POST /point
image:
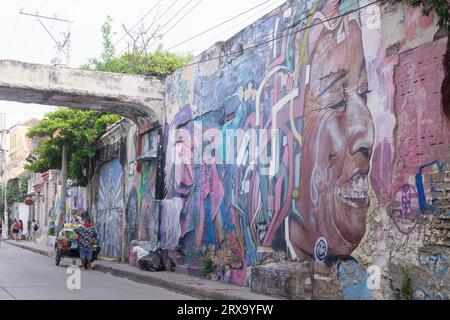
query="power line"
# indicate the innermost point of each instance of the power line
(179, 20)
(184, 16)
(241, 23)
(167, 10)
(217, 26)
(50, 34)
(142, 19)
(282, 36)
(176, 14)
(157, 19)
(59, 47)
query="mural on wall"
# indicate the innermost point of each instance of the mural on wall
(148, 219)
(110, 208)
(277, 145)
(76, 205)
(142, 215)
(131, 213)
(314, 199)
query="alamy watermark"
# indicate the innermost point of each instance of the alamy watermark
(73, 282)
(252, 147)
(374, 280)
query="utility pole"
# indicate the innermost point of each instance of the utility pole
(61, 47)
(4, 174)
(62, 214)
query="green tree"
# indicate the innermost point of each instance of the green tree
(441, 7)
(78, 131)
(108, 48)
(157, 63)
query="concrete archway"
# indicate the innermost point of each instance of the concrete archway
(138, 98)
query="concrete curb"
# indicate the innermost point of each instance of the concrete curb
(42, 252)
(191, 290)
(179, 283)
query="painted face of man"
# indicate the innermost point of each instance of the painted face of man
(338, 139)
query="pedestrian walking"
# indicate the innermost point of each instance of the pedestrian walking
(20, 230)
(15, 229)
(34, 229)
(87, 235)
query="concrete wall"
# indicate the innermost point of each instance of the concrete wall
(20, 211)
(359, 161)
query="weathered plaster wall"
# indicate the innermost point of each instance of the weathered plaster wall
(361, 173)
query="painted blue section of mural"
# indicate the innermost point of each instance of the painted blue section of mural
(354, 281)
(424, 206)
(428, 206)
(131, 212)
(110, 206)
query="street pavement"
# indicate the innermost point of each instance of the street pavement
(25, 275)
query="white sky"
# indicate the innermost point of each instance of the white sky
(23, 37)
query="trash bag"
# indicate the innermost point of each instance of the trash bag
(152, 262)
(139, 252)
(169, 263)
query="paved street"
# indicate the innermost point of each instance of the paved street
(28, 276)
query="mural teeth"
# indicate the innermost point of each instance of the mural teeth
(366, 184)
(360, 184)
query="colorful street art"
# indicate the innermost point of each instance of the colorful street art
(76, 205)
(131, 214)
(110, 208)
(316, 196)
(319, 116)
(142, 210)
(148, 218)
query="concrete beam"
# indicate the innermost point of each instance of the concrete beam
(138, 98)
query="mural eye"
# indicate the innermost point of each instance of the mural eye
(338, 104)
(364, 91)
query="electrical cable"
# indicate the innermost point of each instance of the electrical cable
(217, 26)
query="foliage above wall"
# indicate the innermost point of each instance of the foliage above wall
(78, 131)
(157, 64)
(138, 61)
(441, 7)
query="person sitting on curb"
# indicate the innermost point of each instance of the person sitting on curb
(87, 235)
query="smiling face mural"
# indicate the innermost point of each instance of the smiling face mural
(301, 106)
(338, 137)
(297, 110)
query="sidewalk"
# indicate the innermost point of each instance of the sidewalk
(180, 283)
